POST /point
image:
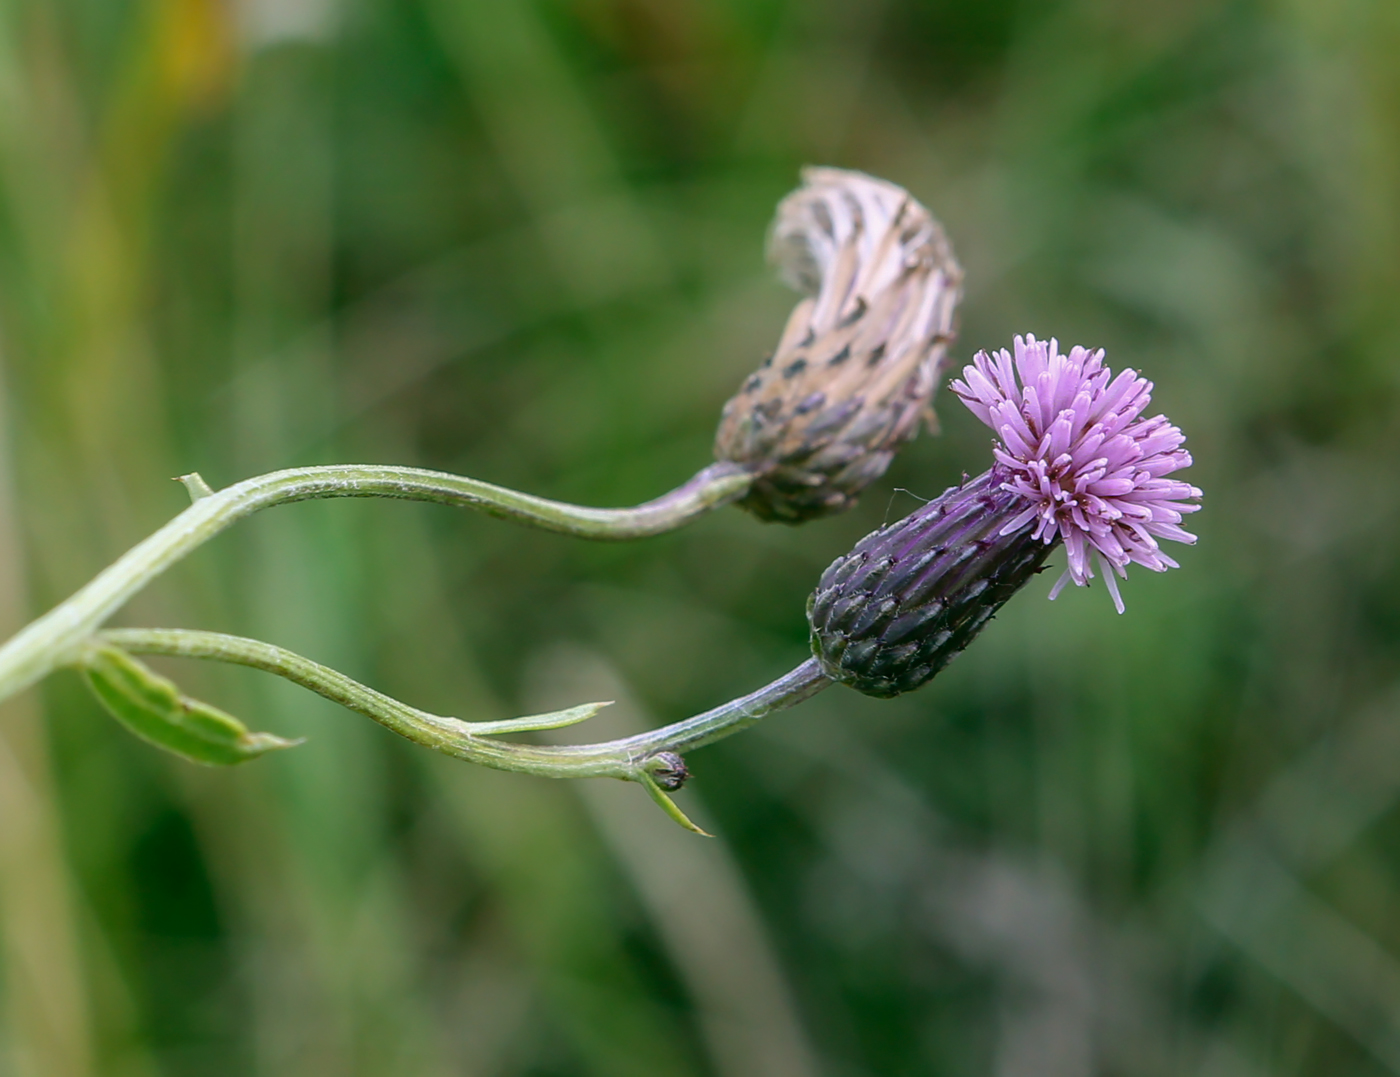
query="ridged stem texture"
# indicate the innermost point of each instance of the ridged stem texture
(57, 638)
(650, 754)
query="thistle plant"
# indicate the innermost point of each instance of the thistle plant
(1074, 465)
(855, 373)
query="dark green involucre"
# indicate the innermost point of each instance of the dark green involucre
(890, 614)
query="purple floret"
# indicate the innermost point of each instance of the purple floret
(1091, 471)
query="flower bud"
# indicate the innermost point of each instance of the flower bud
(668, 770)
(900, 606)
(857, 365)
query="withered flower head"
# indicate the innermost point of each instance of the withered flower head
(857, 365)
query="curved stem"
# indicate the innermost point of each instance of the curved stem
(628, 758)
(54, 639)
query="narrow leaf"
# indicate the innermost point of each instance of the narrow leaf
(553, 720)
(669, 806)
(153, 708)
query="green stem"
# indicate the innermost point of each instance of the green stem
(632, 758)
(56, 638)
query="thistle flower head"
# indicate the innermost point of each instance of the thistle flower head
(857, 365)
(1074, 448)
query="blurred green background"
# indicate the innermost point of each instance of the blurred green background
(523, 241)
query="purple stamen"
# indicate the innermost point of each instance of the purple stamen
(1075, 445)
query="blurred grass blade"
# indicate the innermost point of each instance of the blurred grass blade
(153, 708)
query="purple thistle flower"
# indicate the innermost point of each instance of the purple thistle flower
(1091, 472)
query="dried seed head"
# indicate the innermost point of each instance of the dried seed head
(900, 606)
(857, 365)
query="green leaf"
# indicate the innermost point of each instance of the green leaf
(666, 804)
(195, 486)
(153, 708)
(553, 720)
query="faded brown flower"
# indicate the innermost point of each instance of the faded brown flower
(860, 359)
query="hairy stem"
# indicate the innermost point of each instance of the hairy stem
(55, 639)
(628, 758)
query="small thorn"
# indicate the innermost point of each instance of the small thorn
(195, 485)
(268, 741)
